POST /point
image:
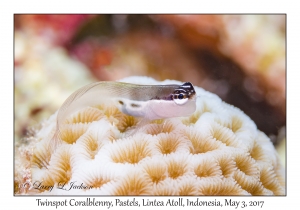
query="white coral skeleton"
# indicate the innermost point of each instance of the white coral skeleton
(217, 150)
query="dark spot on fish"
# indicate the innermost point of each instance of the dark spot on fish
(135, 105)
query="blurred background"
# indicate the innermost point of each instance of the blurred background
(241, 58)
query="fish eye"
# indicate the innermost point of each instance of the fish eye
(180, 100)
(180, 96)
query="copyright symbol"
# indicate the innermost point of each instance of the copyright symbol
(26, 185)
